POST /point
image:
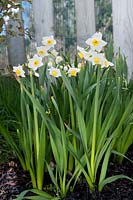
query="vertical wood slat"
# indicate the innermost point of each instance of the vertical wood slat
(16, 44)
(43, 19)
(123, 30)
(85, 19)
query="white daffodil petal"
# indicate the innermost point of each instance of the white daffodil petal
(42, 51)
(95, 42)
(35, 62)
(58, 59)
(73, 71)
(19, 71)
(49, 41)
(36, 74)
(88, 41)
(97, 58)
(106, 63)
(50, 64)
(54, 52)
(97, 35)
(54, 72)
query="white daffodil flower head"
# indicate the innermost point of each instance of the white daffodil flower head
(73, 71)
(19, 71)
(95, 42)
(66, 68)
(81, 52)
(35, 62)
(50, 64)
(97, 58)
(54, 52)
(61, 66)
(42, 51)
(48, 41)
(58, 59)
(55, 72)
(88, 55)
(105, 63)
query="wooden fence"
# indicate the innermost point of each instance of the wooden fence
(122, 14)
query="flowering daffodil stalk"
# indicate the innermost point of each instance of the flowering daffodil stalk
(55, 72)
(49, 41)
(42, 51)
(35, 62)
(95, 42)
(19, 71)
(73, 71)
(105, 63)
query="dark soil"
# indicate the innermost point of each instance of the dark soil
(13, 181)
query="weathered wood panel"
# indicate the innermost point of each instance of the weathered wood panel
(85, 19)
(43, 18)
(16, 44)
(123, 30)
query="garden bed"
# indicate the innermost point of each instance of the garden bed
(14, 180)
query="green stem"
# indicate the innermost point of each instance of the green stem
(71, 160)
(35, 120)
(93, 148)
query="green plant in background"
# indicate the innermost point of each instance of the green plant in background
(9, 112)
(73, 117)
(125, 94)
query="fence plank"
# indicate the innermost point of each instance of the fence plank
(85, 18)
(16, 44)
(43, 18)
(123, 30)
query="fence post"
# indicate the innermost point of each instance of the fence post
(123, 30)
(85, 19)
(43, 19)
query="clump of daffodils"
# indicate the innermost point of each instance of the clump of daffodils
(94, 52)
(55, 63)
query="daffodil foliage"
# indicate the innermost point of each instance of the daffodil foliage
(74, 115)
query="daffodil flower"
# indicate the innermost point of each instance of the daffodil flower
(61, 66)
(105, 63)
(50, 64)
(95, 42)
(58, 59)
(19, 71)
(81, 52)
(66, 68)
(97, 58)
(42, 51)
(35, 62)
(88, 55)
(49, 41)
(54, 72)
(73, 71)
(54, 52)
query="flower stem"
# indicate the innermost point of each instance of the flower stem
(93, 148)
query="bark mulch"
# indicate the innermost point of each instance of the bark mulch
(13, 181)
